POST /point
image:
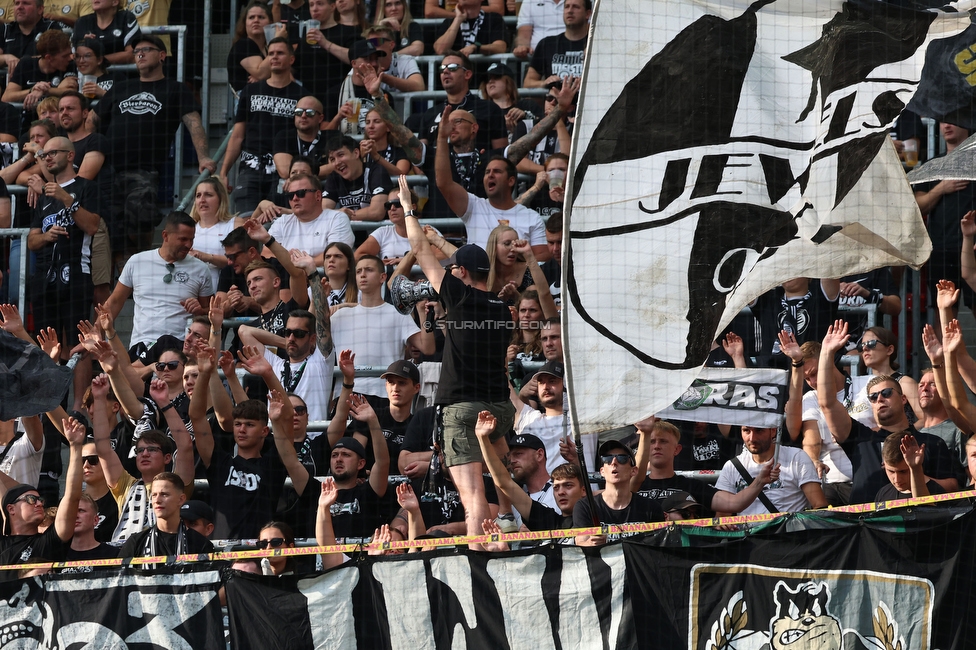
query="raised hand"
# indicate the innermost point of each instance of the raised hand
(360, 409)
(405, 201)
(523, 248)
(371, 80)
(952, 336)
(913, 452)
(932, 345)
(407, 498)
(159, 392)
(256, 231)
(48, 340)
(485, 425)
(380, 536)
(253, 361)
(733, 345)
(567, 93)
(104, 354)
(968, 224)
(100, 386)
(836, 337)
(947, 295)
(347, 365)
(88, 335)
(216, 313)
(225, 362)
(329, 493)
(303, 260)
(104, 321)
(12, 322)
(206, 357)
(74, 432)
(276, 403)
(789, 346)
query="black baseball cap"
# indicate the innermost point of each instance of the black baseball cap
(527, 440)
(472, 257)
(499, 69)
(403, 368)
(611, 446)
(195, 509)
(679, 501)
(350, 443)
(552, 367)
(362, 49)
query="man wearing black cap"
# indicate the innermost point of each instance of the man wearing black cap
(365, 59)
(616, 504)
(23, 511)
(397, 71)
(681, 505)
(199, 516)
(473, 373)
(265, 108)
(402, 380)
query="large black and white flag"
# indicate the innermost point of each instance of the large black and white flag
(723, 148)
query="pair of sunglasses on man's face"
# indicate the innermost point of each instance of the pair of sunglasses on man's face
(884, 392)
(298, 194)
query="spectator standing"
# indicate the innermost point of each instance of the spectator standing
(537, 20)
(560, 55)
(248, 59)
(169, 535)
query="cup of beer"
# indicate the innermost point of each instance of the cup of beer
(910, 149)
(270, 31)
(307, 26)
(84, 80)
(557, 178)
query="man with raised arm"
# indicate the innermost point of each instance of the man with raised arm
(23, 510)
(862, 444)
(357, 511)
(244, 487)
(473, 374)
(308, 342)
(656, 479)
(153, 452)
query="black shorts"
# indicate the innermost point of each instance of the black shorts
(61, 306)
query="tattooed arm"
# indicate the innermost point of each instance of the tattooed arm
(399, 134)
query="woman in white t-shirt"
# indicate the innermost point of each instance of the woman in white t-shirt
(214, 223)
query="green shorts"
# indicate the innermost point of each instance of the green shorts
(458, 421)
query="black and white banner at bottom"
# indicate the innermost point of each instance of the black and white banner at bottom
(883, 581)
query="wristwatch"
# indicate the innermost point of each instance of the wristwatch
(410, 213)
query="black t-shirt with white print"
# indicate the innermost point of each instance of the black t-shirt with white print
(244, 493)
(359, 192)
(265, 110)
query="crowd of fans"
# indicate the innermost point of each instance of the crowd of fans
(187, 431)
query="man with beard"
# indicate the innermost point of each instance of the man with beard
(165, 284)
(798, 487)
(862, 444)
(549, 425)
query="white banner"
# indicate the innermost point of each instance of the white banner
(721, 149)
(747, 397)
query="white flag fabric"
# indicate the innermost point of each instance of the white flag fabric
(720, 150)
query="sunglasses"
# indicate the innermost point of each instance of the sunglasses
(298, 194)
(885, 393)
(301, 410)
(307, 112)
(298, 334)
(169, 273)
(452, 67)
(867, 345)
(90, 460)
(378, 40)
(32, 499)
(551, 98)
(167, 365)
(390, 204)
(622, 459)
(232, 257)
(274, 542)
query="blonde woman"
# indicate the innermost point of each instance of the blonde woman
(214, 223)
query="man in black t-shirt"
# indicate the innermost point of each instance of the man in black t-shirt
(616, 504)
(356, 188)
(561, 56)
(801, 306)
(264, 109)
(169, 535)
(240, 250)
(473, 372)
(658, 447)
(91, 164)
(140, 117)
(472, 31)
(305, 139)
(66, 217)
(20, 35)
(85, 545)
(23, 510)
(48, 73)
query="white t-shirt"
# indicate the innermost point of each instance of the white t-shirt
(481, 218)
(546, 18)
(312, 236)
(207, 240)
(23, 463)
(786, 495)
(391, 243)
(402, 66)
(157, 303)
(831, 454)
(377, 335)
(315, 384)
(860, 408)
